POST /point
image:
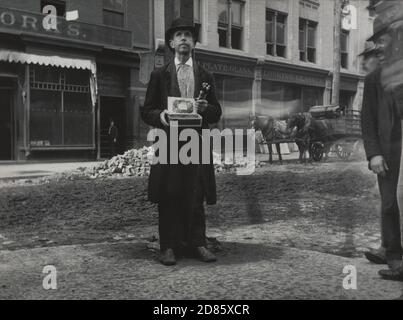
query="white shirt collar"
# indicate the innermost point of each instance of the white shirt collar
(189, 62)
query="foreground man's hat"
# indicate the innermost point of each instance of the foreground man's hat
(180, 24)
(388, 12)
(370, 48)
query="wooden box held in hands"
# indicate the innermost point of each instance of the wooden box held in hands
(182, 113)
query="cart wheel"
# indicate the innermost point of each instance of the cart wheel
(317, 149)
(342, 153)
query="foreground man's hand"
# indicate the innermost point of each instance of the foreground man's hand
(378, 165)
(163, 118)
(201, 106)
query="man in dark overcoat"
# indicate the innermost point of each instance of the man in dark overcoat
(382, 135)
(180, 190)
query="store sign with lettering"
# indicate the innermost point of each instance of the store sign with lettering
(229, 69)
(280, 76)
(15, 20)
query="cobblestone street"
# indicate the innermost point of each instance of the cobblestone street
(283, 232)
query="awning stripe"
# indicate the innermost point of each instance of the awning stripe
(54, 61)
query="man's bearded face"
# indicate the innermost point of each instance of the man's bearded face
(182, 42)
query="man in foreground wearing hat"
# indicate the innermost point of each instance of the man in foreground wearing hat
(369, 58)
(180, 190)
(382, 135)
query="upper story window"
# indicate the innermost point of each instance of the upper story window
(230, 23)
(344, 46)
(276, 30)
(198, 16)
(58, 4)
(307, 40)
(114, 13)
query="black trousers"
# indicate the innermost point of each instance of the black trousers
(182, 223)
(390, 213)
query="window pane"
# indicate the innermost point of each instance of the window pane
(113, 19)
(77, 77)
(117, 5)
(236, 38)
(344, 60)
(44, 74)
(302, 41)
(236, 10)
(270, 16)
(311, 37)
(222, 11)
(312, 55)
(281, 18)
(78, 119)
(281, 51)
(344, 41)
(45, 118)
(280, 33)
(222, 34)
(270, 32)
(269, 49)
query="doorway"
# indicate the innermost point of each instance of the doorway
(112, 108)
(6, 125)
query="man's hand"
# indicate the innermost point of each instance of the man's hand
(163, 118)
(378, 165)
(201, 106)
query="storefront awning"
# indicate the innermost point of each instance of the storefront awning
(54, 61)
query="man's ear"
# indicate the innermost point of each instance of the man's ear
(172, 44)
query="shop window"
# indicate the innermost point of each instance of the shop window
(230, 23)
(276, 33)
(58, 4)
(280, 100)
(307, 40)
(61, 113)
(114, 13)
(235, 96)
(344, 45)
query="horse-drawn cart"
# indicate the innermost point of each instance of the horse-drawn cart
(334, 130)
(322, 130)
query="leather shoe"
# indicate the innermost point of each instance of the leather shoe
(167, 257)
(394, 264)
(376, 256)
(392, 274)
(205, 255)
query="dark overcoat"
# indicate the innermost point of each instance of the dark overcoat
(381, 125)
(171, 180)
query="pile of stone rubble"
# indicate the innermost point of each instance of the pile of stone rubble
(137, 163)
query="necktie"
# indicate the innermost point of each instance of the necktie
(186, 81)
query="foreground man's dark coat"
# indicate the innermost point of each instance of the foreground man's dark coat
(382, 135)
(175, 180)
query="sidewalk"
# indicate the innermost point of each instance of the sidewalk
(9, 171)
(245, 270)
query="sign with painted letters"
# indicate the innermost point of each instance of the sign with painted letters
(49, 24)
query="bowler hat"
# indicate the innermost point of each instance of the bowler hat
(180, 24)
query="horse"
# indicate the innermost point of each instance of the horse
(272, 130)
(308, 132)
